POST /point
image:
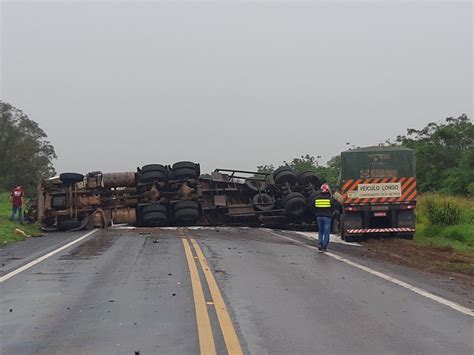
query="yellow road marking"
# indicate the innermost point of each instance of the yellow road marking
(230, 336)
(206, 338)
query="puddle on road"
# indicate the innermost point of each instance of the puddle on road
(92, 248)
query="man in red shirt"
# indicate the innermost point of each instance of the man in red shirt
(17, 197)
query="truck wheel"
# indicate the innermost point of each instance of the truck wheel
(152, 175)
(186, 216)
(351, 238)
(154, 208)
(263, 202)
(408, 236)
(342, 227)
(71, 178)
(255, 185)
(68, 225)
(336, 225)
(282, 168)
(184, 164)
(307, 177)
(295, 205)
(184, 173)
(153, 167)
(186, 204)
(155, 219)
(285, 176)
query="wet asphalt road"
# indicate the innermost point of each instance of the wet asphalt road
(130, 292)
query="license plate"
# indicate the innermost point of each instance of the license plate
(380, 214)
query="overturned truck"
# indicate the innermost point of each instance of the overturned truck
(162, 195)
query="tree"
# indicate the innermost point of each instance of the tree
(25, 153)
(304, 163)
(444, 155)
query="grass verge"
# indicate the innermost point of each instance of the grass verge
(433, 231)
(7, 227)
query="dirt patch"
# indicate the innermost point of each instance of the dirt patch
(437, 260)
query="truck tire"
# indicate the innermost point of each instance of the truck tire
(71, 178)
(352, 238)
(152, 175)
(263, 202)
(68, 225)
(407, 236)
(184, 164)
(186, 204)
(186, 216)
(154, 208)
(255, 185)
(306, 177)
(153, 167)
(295, 205)
(342, 227)
(282, 168)
(285, 176)
(184, 173)
(336, 225)
(155, 219)
(352, 220)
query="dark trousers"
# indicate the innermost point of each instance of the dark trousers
(324, 226)
(16, 209)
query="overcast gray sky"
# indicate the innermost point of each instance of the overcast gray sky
(116, 85)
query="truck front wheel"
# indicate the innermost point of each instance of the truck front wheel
(408, 236)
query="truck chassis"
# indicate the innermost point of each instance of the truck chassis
(158, 195)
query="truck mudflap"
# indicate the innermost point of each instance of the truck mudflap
(380, 230)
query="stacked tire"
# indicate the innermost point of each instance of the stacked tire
(185, 170)
(307, 178)
(151, 173)
(154, 215)
(186, 213)
(284, 174)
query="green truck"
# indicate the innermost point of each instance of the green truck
(377, 193)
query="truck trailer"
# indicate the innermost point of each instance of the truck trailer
(157, 195)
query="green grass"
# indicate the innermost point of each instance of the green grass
(7, 228)
(457, 233)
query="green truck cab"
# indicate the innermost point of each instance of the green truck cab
(377, 193)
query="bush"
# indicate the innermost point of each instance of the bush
(470, 188)
(442, 210)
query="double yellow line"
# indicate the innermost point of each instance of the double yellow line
(206, 337)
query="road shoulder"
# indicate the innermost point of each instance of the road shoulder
(446, 286)
(21, 253)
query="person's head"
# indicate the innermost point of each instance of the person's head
(18, 186)
(325, 188)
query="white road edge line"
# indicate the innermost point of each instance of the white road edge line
(421, 292)
(44, 257)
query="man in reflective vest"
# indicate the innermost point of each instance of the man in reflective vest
(323, 205)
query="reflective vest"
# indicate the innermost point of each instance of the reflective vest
(322, 203)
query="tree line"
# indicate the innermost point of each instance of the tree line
(26, 155)
(444, 155)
